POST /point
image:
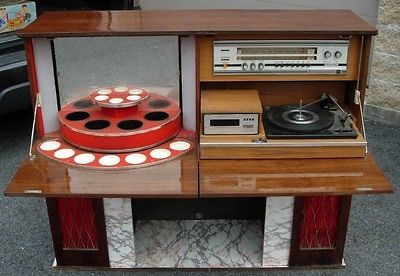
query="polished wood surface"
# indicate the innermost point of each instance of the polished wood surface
(206, 63)
(44, 177)
(341, 176)
(192, 22)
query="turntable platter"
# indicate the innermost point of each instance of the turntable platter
(291, 118)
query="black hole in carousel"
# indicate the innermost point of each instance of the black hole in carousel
(97, 124)
(159, 103)
(156, 116)
(83, 104)
(130, 124)
(77, 116)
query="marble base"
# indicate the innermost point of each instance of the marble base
(120, 236)
(277, 231)
(199, 243)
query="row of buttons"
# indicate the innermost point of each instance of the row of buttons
(261, 66)
(292, 65)
(248, 119)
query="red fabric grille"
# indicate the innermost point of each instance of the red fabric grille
(320, 218)
(78, 229)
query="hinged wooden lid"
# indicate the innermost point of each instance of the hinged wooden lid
(295, 177)
(47, 178)
(196, 22)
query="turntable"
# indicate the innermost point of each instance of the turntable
(323, 118)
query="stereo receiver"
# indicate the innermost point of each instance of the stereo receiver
(280, 56)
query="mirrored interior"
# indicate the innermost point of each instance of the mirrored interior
(86, 64)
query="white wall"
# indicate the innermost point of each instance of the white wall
(367, 9)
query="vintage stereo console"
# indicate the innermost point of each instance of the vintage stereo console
(252, 129)
(280, 56)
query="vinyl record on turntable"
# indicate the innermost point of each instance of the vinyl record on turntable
(292, 119)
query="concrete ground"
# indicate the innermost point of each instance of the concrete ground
(372, 242)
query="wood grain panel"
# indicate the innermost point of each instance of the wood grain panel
(342, 176)
(192, 22)
(206, 65)
(281, 93)
(280, 152)
(44, 177)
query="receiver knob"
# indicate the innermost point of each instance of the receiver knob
(245, 66)
(253, 66)
(327, 54)
(261, 66)
(338, 54)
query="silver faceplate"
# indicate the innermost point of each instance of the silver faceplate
(228, 123)
(280, 57)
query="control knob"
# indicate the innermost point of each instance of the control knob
(260, 66)
(327, 54)
(338, 54)
(245, 66)
(253, 66)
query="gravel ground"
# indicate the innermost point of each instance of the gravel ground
(372, 242)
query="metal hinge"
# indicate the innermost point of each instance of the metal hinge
(37, 104)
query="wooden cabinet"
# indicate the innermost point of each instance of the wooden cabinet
(287, 178)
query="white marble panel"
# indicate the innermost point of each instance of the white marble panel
(120, 235)
(199, 243)
(277, 231)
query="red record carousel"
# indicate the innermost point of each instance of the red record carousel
(118, 127)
